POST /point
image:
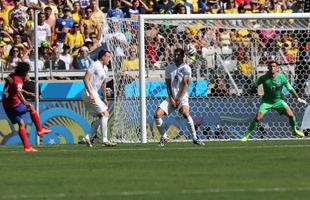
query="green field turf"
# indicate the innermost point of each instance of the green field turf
(220, 170)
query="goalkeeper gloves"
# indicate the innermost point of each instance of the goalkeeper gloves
(301, 101)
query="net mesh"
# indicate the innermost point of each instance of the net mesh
(226, 57)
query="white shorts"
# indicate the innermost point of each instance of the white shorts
(94, 109)
(168, 108)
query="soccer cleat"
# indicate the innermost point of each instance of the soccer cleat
(199, 142)
(87, 142)
(298, 133)
(163, 141)
(30, 149)
(43, 131)
(109, 144)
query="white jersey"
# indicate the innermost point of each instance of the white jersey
(99, 75)
(175, 75)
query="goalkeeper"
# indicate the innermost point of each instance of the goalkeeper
(273, 83)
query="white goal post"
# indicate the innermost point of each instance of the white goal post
(301, 21)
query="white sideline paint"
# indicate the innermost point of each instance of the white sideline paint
(167, 148)
(154, 193)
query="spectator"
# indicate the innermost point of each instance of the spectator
(35, 4)
(116, 10)
(52, 5)
(132, 61)
(5, 8)
(43, 31)
(94, 42)
(89, 24)
(84, 4)
(3, 54)
(13, 58)
(99, 16)
(219, 89)
(30, 60)
(134, 8)
(51, 21)
(56, 63)
(63, 25)
(163, 6)
(66, 57)
(74, 39)
(76, 13)
(29, 22)
(82, 61)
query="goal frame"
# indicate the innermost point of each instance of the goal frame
(148, 17)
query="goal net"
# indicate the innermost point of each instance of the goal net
(227, 53)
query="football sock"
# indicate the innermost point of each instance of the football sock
(293, 122)
(104, 128)
(36, 120)
(252, 126)
(24, 138)
(161, 127)
(93, 129)
(191, 127)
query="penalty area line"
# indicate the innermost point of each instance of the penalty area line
(154, 193)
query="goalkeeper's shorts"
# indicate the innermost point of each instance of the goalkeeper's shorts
(279, 106)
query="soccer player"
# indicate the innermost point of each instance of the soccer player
(178, 77)
(94, 79)
(273, 82)
(16, 106)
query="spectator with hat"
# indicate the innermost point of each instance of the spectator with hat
(82, 61)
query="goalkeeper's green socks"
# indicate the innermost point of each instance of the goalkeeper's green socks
(293, 123)
(252, 126)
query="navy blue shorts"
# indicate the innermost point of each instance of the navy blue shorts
(17, 113)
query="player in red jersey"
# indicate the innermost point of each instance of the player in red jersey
(16, 106)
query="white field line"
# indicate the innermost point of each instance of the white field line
(166, 148)
(152, 193)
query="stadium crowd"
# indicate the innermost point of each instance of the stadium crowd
(71, 32)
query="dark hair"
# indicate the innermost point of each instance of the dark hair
(102, 53)
(22, 68)
(271, 62)
(181, 51)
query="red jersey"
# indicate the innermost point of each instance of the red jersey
(13, 84)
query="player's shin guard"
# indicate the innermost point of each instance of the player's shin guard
(104, 128)
(161, 127)
(293, 123)
(36, 120)
(24, 137)
(191, 127)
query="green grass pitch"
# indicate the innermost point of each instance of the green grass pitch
(219, 170)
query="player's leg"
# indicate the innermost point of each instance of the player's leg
(162, 109)
(36, 120)
(292, 119)
(16, 116)
(104, 129)
(23, 136)
(190, 124)
(263, 109)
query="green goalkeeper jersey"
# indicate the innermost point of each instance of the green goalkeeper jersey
(273, 87)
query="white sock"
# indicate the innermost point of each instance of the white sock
(161, 127)
(93, 129)
(104, 128)
(191, 127)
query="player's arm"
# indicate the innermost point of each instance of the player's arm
(86, 81)
(255, 86)
(23, 100)
(293, 92)
(186, 82)
(169, 91)
(104, 92)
